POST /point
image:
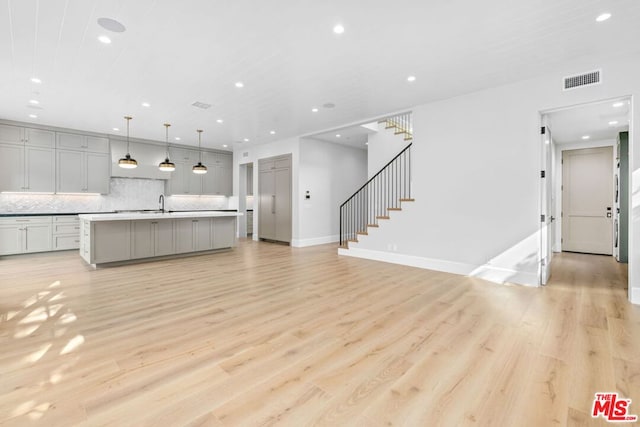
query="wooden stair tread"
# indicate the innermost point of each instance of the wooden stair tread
(394, 209)
(363, 233)
(407, 200)
(373, 225)
(382, 217)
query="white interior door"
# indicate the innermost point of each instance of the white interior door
(546, 206)
(587, 200)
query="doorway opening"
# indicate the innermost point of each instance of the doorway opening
(584, 186)
(245, 200)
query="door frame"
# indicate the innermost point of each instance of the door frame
(544, 165)
(561, 200)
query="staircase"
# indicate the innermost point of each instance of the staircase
(401, 125)
(383, 193)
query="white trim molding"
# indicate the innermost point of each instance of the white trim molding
(485, 272)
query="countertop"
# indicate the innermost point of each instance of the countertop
(14, 214)
(128, 216)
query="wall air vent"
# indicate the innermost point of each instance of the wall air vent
(581, 80)
(202, 105)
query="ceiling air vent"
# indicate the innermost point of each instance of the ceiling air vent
(581, 80)
(202, 105)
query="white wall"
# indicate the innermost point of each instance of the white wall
(383, 146)
(331, 173)
(476, 162)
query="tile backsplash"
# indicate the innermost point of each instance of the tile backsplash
(125, 194)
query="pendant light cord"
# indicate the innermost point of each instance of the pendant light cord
(166, 125)
(127, 118)
(200, 144)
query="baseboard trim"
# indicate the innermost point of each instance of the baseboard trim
(634, 295)
(303, 243)
(485, 272)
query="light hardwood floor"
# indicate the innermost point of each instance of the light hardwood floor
(270, 335)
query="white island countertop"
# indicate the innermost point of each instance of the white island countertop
(129, 216)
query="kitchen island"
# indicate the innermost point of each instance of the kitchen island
(117, 237)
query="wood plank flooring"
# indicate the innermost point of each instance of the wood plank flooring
(272, 335)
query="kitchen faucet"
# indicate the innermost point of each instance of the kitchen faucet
(161, 202)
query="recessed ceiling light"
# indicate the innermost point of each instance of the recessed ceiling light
(33, 116)
(603, 17)
(366, 143)
(34, 101)
(111, 25)
(546, 141)
(116, 129)
(36, 80)
(178, 138)
(585, 137)
(338, 135)
(146, 104)
(225, 145)
(411, 79)
(219, 120)
(613, 122)
(273, 132)
(104, 39)
(338, 29)
(618, 104)
(246, 140)
(314, 110)
(239, 84)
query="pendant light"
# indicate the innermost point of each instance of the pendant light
(127, 162)
(199, 168)
(166, 165)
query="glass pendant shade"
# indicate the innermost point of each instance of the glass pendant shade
(127, 162)
(167, 165)
(199, 168)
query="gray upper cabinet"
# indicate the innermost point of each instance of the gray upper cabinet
(83, 163)
(26, 159)
(148, 157)
(82, 172)
(217, 181)
(11, 167)
(73, 141)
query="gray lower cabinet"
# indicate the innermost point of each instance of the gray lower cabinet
(223, 232)
(25, 235)
(121, 240)
(110, 241)
(66, 232)
(274, 198)
(193, 235)
(151, 238)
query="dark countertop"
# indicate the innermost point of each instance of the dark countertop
(48, 213)
(8, 215)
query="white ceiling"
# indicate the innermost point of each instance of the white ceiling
(590, 120)
(177, 52)
(352, 136)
